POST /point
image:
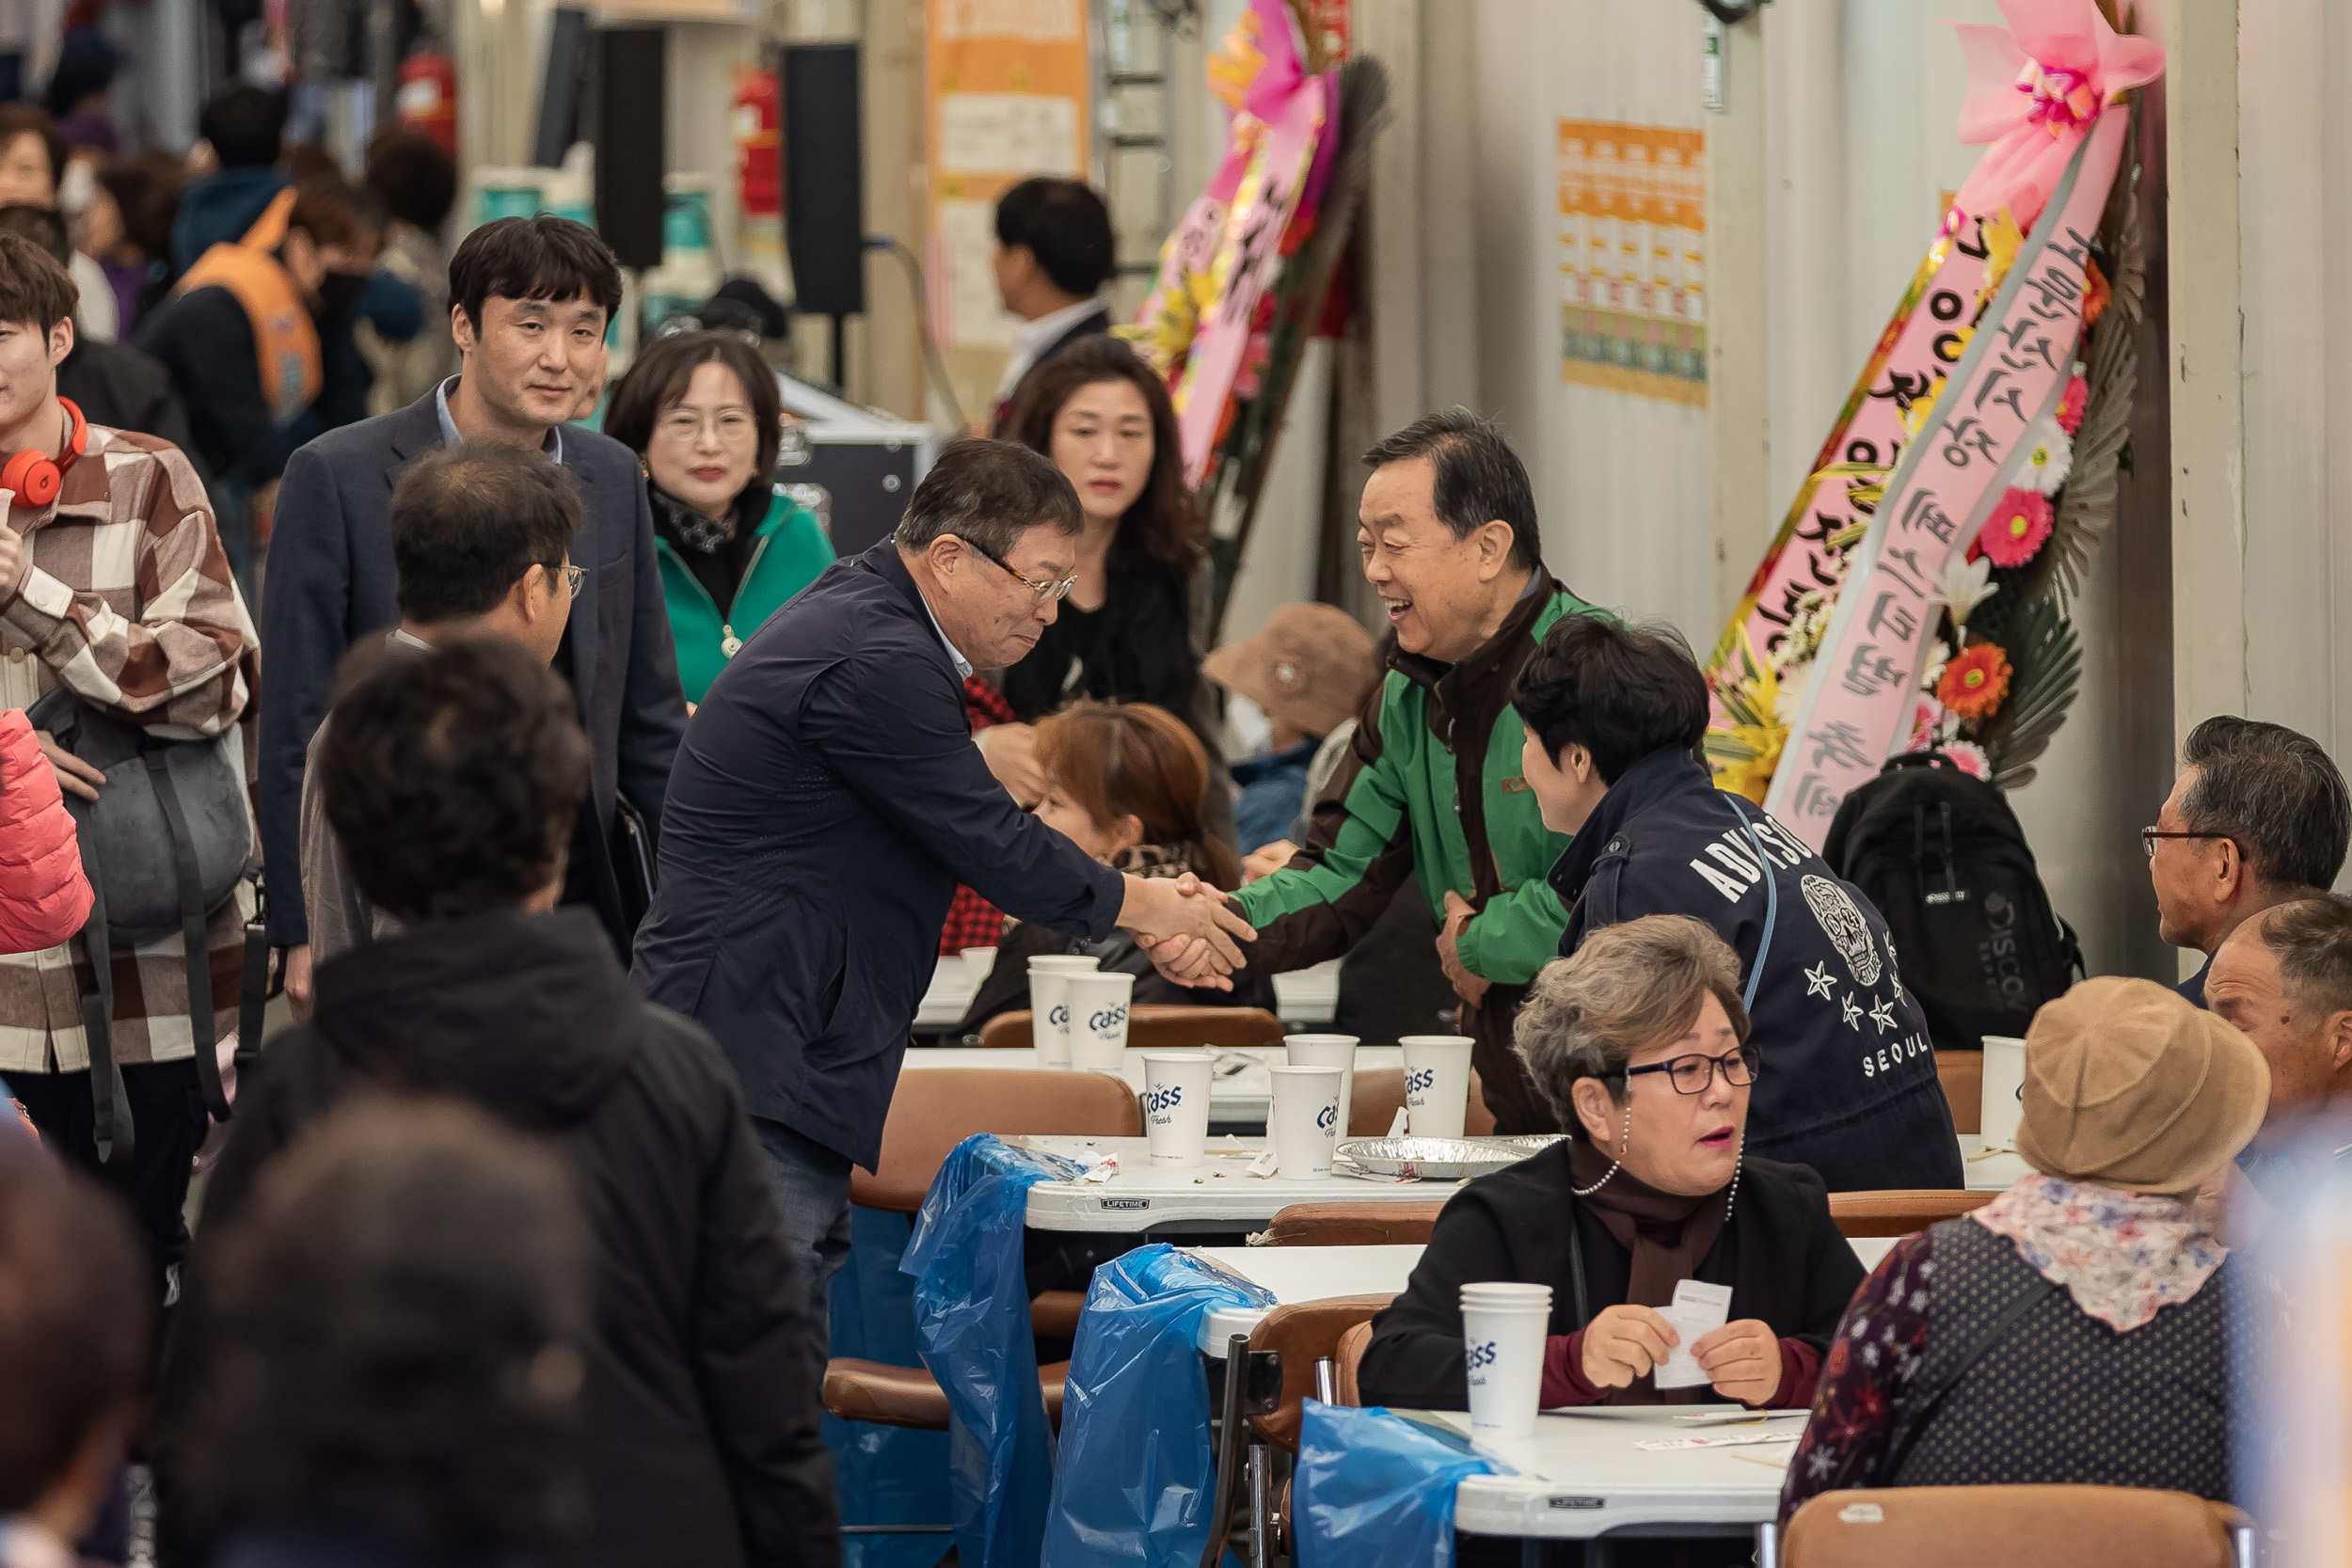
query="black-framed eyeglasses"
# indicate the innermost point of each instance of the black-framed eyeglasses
(1043, 591)
(2148, 837)
(1691, 1074)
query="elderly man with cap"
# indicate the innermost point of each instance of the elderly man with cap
(1308, 671)
(2097, 1277)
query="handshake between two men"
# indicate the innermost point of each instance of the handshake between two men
(1191, 930)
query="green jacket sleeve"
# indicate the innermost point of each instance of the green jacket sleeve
(1515, 935)
(1359, 852)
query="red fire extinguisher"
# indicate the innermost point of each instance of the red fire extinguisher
(426, 100)
(755, 117)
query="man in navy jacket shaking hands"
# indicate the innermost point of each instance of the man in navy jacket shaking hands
(827, 801)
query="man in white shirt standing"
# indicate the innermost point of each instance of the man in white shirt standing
(1054, 253)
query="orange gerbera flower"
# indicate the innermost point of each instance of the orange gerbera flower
(1974, 681)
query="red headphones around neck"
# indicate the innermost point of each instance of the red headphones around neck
(33, 475)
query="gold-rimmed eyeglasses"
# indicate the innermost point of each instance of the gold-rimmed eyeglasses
(1042, 590)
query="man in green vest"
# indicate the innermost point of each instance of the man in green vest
(1431, 784)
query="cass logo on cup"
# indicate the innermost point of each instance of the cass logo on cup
(1326, 1118)
(1420, 1079)
(1479, 1357)
(1165, 1098)
(1108, 1017)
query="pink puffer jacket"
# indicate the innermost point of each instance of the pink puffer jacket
(44, 896)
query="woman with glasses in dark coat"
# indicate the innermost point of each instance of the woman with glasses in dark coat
(1640, 1042)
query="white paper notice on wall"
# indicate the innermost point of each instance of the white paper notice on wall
(1008, 133)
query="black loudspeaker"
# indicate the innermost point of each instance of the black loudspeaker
(559, 90)
(824, 178)
(626, 121)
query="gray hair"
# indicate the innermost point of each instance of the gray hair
(2311, 938)
(1625, 988)
(2275, 792)
(988, 494)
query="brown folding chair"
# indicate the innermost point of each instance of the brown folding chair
(1160, 1026)
(1380, 1094)
(1302, 1336)
(1351, 1356)
(1962, 1073)
(1353, 1223)
(1900, 1211)
(2020, 1526)
(932, 1112)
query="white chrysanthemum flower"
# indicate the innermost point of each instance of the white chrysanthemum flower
(2049, 457)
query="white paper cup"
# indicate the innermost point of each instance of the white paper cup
(978, 961)
(1098, 1022)
(1304, 1120)
(1049, 1005)
(1503, 1327)
(1436, 1083)
(1337, 1051)
(1176, 1107)
(2003, 1104)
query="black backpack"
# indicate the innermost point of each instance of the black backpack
(1942, 856)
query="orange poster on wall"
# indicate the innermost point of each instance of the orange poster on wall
(1007, 94)
(1632, 205)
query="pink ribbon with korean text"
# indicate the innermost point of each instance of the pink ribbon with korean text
(1858, 699)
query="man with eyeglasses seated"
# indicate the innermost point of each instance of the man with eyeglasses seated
(827, 801)
(1640, 1042)
(2258, 817)
(1614, 715)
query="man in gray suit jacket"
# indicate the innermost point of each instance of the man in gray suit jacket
(529, 301)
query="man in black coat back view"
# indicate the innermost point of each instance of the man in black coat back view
(451, 777)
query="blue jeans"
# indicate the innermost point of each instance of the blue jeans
(812, 1187)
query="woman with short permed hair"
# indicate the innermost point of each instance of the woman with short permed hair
(1641, 1042)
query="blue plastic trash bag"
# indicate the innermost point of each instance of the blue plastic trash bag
(1372, 1490)
(972, 1324)
(1137, 1476)
(885, 1475)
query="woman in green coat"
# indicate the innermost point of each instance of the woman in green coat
(700, 410)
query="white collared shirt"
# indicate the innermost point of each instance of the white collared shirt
(1039, 336)
(963, 665)
(553, 445)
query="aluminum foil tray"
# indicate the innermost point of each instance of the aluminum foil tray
(1435, 1159)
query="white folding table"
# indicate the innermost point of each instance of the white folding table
(1220, 1195)
(1240, 1093)
(1580, 1475)
(1989, 1172)
(1307, 998)
(1303, 1274)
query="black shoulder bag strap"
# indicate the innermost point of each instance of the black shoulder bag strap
(2022, 1303)
(110, 1102)
(192, 937)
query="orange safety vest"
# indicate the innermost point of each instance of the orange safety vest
(285, 341)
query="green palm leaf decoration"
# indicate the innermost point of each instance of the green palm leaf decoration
(2047, 661)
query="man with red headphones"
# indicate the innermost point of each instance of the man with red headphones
(113, 583)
